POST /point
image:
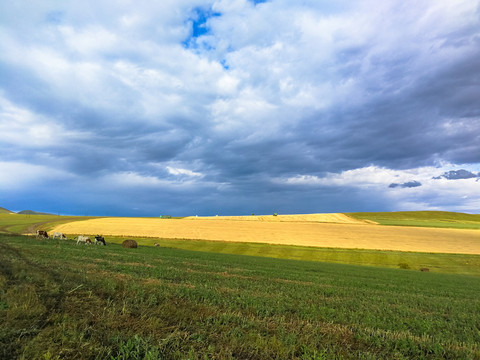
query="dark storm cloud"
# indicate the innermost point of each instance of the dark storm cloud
(457, 175)
(409, 184)
(413, 126)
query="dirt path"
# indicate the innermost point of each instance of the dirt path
(303, 233)
(32, 229)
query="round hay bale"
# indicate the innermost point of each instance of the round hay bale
(130, 244)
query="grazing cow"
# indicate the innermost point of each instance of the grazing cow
(99, 240)
(84, 239)
(59, 235)
(157, 244)
(42, 234)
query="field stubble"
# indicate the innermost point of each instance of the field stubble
(310, 232)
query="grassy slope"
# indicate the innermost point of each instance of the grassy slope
(60, 300)
(5, 211)
(18, 223)
(442, 263)
(441, 219)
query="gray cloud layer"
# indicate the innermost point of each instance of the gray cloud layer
(211, 106)
(409, 184)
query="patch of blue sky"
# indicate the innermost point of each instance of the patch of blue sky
(225, 64)
(199, 23)
(54, 17)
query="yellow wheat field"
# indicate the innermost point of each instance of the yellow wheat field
(323, 218)
(305, 230)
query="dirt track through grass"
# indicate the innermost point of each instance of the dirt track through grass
(302, 233)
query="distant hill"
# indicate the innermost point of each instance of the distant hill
(31, 212)
(442, 219)
(5, 211)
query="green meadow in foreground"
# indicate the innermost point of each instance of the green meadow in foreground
(441, 219)
(59, 300)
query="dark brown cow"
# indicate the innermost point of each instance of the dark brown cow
(42, 234)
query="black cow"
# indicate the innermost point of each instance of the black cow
(99, 239)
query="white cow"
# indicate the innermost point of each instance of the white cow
(58, 235)
(85, 239)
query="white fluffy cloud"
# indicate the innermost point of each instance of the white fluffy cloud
(23, 128)
(179, 171)
(21, 175)
(428, 191)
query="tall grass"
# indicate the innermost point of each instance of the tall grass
(59, 300)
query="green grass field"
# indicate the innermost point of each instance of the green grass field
(441, 219)
(59, 300)
(442, 263)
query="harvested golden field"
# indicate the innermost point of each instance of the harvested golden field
(304, 233)
(324, 218)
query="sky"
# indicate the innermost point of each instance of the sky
(203, 107)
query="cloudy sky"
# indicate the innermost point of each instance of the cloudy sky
(203, 107)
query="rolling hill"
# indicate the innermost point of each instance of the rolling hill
(23, 212)
(31, 212)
